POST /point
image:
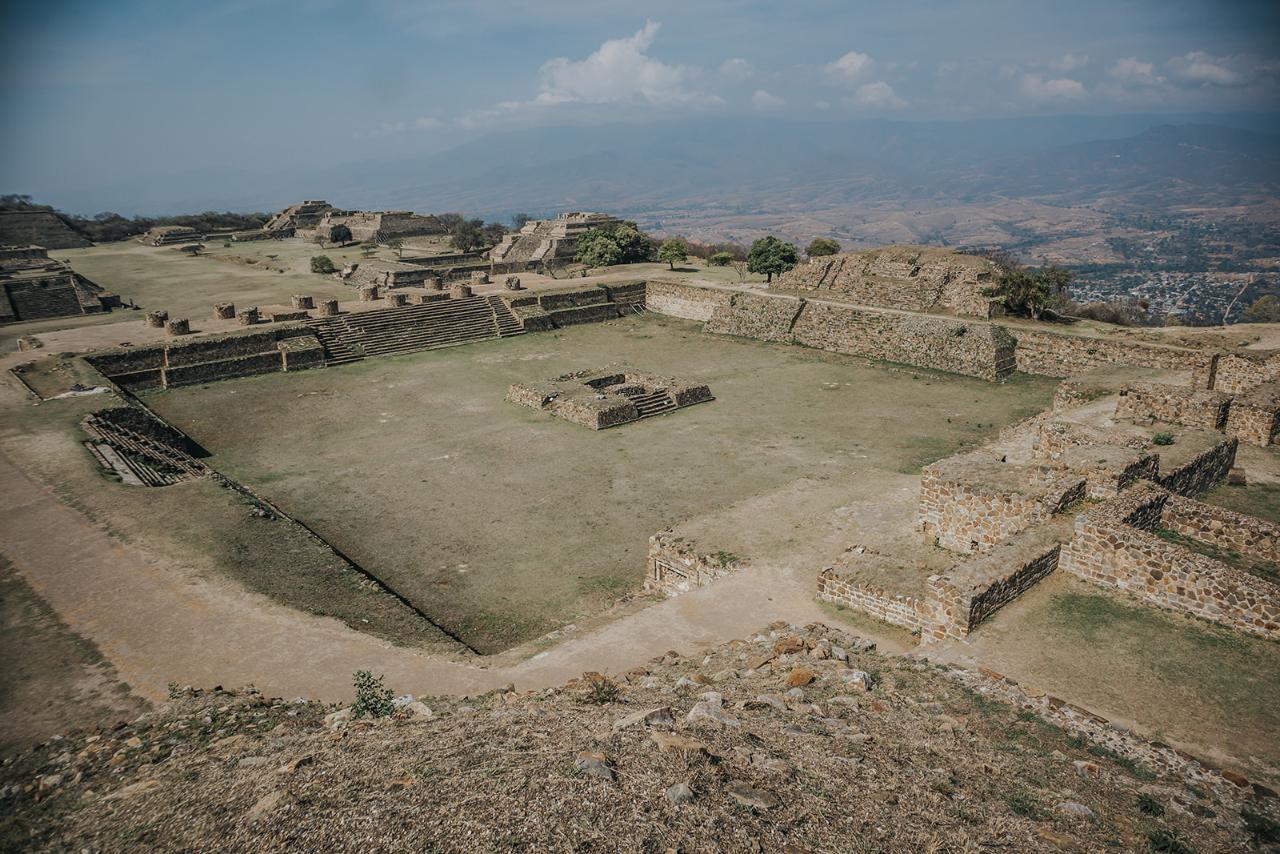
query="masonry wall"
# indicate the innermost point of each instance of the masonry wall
(686, 301)
(1255, 415)
(1113, 547)
(1204, 472)
(1240, 372)
(968, 518)
(1222, 528)
(1194, 407)
(910, 613)
(674, 566)
(974, 591)
(1059, 355)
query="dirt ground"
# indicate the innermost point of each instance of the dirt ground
(504, 523)
(52, 680)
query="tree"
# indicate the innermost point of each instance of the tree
(340, 234)
(673, 250)
(319, 238)
(597, 248)
(468, 235)
(771, 256)
(821, 246)
(739, 267)
(1265, 309)
(520, 220)
(322, 264)
(1032, 292)
(450, 221)
(720, 259)
(397, 245)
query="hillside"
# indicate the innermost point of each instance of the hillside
(795, 739)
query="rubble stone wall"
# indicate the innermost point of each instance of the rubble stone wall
(687, 301)
(1244, 371)
(1222, 528)
(908, 612)
(1113, 547)
(1194, 407)
(975, 590)
(966, 518)
(1204, 472)
(675, 567)
(1056, 354)
(1255, 415)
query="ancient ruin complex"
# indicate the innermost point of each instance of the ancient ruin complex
(608, 397)
(41, 228)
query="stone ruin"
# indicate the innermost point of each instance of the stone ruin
(169, 235)
(305, 215)
(606, 398)
(911, 278)
(41, 228)
(543, 240)
(34, 286)
(385, 274)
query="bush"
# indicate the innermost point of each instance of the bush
(603, 690)
(1130, 312)
(1148, 805)
(322, 264)
(821, 246)
(771, 256)
(720, 259)
(1162, 439)
(373, 699)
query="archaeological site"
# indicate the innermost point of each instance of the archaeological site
(696, 428)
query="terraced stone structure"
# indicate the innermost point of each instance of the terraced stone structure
(542, 240)
(609, 397)
(34, 286)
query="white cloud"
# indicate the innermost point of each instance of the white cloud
(822, 105)
(1199, 67)
(427, 122)
(764, 101)
(1068, 62)
(850, 67)
(736, 69)
(1132, 70)
(619, 70)
(1037, 88)
(878, 95)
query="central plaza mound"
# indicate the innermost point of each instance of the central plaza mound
(502, 524)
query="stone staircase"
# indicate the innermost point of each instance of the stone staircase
(652, 403)
(139, 459)
(389, 331)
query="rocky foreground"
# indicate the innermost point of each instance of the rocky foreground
(793, 740)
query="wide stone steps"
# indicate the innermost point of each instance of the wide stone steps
(654, 403)
(508, 323)
(408, 329)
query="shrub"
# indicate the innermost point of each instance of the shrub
(821, 246)
(1167, 841)
(372, 697)
(1021, 803)
(1162, 439)
(322, 264)
(1130, 312)
(720, 259)
(603, 690)
(1149, 805)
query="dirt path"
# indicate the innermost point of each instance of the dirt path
(158, 623)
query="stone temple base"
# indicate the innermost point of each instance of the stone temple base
(608, 397)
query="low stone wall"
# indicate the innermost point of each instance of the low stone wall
(210, 358)
(686, 301)
(759, 317)
(1113, 547)
(675, 567)
(976, 589)
(1255, 415)
(1222, 528)
(1241, 371)
(1193, 407)
(971, 503)
(910, 613)
(1056, 354)
(1204, 472)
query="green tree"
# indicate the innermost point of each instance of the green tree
(720, 259)
(821, 246)
(322, 264)
(673, 250)
(520, 220)
(1032, 292)
(771, 256)
(468, 235)
(597, 248)
(1265, 309)
(397, 245)
(340, 234)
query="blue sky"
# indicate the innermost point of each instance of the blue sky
(96, 91)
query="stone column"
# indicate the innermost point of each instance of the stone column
(224, 310)
(368, 293)
(459, 291)
(479, 278)
(156, 319)
(434, 283)
(248, 317)
(512, 283)
(397, 300)
(303, 301)
(329, 308)
(181, 326)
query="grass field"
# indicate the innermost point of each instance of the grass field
(502, 522)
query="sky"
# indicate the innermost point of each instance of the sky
(95, 92)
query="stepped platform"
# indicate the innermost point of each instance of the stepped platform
(609, 397)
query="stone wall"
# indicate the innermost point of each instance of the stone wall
(909, 612)
(1204, 472)
(1113, 547)
(686, 301)
(675, 567)
(1244, 370)
(759, 317)
(1194, 407)
(1055, 354)
(972, 502)
(1222, 528)
(1255, 415)
(210, 358)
